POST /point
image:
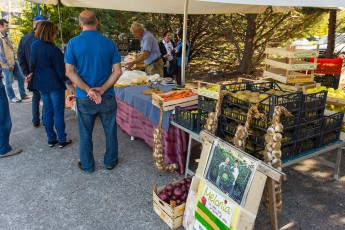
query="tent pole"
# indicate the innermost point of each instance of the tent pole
(184, 40)
(60, 26)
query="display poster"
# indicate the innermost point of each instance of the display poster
(230, 170)
(214, 210)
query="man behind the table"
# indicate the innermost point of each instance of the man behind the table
(151, 54)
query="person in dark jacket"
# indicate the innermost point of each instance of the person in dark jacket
(166, 46)
(49, 79)
(24, 62)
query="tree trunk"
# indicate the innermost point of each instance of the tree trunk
(246, 62)
(331, 33)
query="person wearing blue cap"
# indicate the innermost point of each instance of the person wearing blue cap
(24, 61)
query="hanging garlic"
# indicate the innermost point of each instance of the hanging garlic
(270, 131)
(278, 128)
(276, 145)
(277, 137)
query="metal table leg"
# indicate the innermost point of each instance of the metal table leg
(337, 164)
(188, 155)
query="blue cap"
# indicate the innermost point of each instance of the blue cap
(39, 18)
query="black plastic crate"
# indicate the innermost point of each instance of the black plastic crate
(255, 151)
(314, 100)
(309, 130)
(206, 103)
(332, 122)
(329, 137)
(258, 138)
(225, 136)
(266, 86)
(312, 115)
(202, 119)
(328, 80)
(238, 86)
(288, 150)
(291, 101)
(307, 144)
(227, 125)
(186, 117)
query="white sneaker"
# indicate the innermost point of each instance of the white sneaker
(16, 100)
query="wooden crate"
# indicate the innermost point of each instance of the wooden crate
(170, 105)
(293, 77)
(292, 53)
(339, 101)
(294, 65)
(170, 213)
(203, 90)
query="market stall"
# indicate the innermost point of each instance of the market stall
(138, 117)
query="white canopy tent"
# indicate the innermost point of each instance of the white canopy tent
(197, 7)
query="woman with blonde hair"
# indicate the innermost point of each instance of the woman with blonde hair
(48, 68)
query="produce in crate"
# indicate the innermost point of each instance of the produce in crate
(176, 192)
(336, 93)
(174, 95)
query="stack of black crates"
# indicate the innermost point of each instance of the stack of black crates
(234, 112)
(305, 130)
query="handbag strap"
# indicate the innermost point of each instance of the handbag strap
(38, 53)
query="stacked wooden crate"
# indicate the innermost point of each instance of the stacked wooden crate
(288, 65)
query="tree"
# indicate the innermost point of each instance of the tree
(250, 33)
(332, 21)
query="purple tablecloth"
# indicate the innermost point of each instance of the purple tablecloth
(136, 124)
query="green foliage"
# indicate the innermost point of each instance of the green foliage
(228, 42)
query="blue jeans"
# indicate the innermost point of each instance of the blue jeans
(5, 121)
(36, 97)
(8, 75)
(87, 114)
(54, 114)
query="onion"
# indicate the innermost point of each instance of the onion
(183, 197)
(188, 180)
(163, 196)
(178, 192)
(169, 187)
(169, 193)
(188, 186)
(173, 197)
(182, 182)
(178, 202)
(183, 188)
(177, 185)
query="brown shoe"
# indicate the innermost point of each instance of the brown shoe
(11, 153)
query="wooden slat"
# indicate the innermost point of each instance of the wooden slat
(292, 54)
(294, 65)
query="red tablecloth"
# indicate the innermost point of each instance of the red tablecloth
(135, 124)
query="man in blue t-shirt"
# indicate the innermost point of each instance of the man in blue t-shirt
(151, 54)
(93, 65)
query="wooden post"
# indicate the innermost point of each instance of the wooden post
(272, 203)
